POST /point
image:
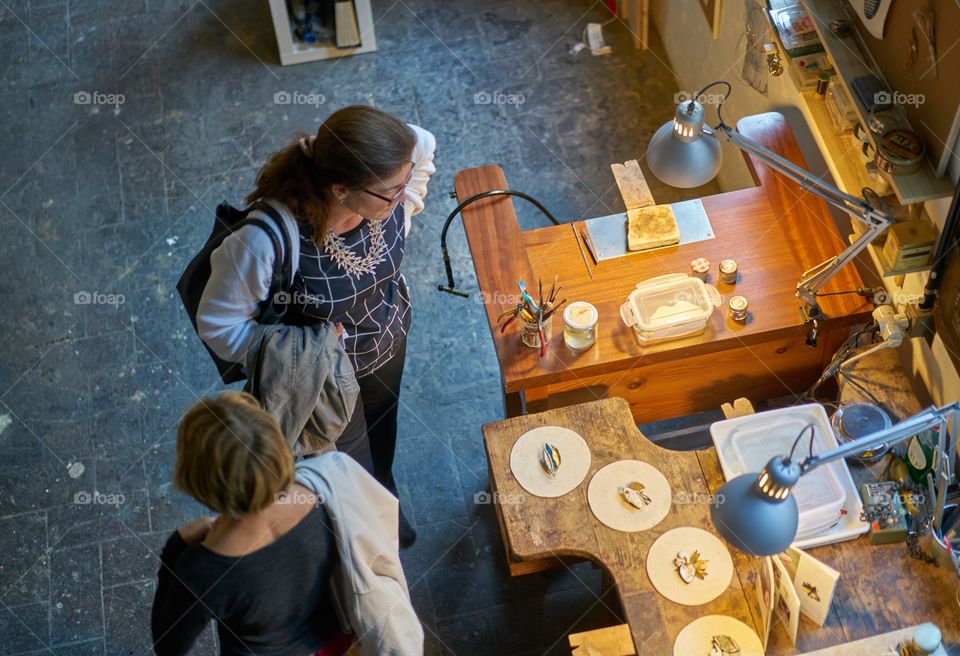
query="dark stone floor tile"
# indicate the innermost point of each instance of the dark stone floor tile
(88, 648)
(438, 545)
(75, 603)
(471, 633)
(437, 496)
(463, 588)
(24, 574)
(38, 481)
(24, 628)
(132, 558)
(97, 514)
(170, 509)
(127, 614)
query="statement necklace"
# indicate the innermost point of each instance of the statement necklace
(353, 264)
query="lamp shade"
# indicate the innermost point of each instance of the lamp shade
(754, 522)
(680, 154)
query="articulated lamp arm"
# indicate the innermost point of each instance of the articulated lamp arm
(874, 219)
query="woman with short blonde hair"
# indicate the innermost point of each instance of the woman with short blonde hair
(262, 568)
(231, 456)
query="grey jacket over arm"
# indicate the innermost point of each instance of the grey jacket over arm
(303, 377)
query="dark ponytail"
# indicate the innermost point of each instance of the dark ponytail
(356, 146)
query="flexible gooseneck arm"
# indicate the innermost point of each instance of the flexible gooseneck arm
(451, 287)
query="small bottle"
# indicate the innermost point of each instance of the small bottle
(823, 81)
(580, 325)
(920, 454)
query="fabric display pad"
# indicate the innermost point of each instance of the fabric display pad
(698, 637)
(525, 461)
(697, 546)
(609, 505)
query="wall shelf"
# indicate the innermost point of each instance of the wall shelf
(293, 51)
(851, 61)
(841, 155)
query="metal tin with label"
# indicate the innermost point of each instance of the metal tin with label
(738, 308)
(856, 420)
(728, 271)
(899, 152)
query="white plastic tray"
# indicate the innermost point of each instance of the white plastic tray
(849, 526)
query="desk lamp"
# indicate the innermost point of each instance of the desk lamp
(686, 153)
(758, 515)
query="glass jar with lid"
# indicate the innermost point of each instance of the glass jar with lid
(580, 325)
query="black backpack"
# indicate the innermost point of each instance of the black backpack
(195, 277)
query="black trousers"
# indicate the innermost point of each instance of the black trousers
(371, 434)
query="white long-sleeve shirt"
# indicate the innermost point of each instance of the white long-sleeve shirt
(241, 268)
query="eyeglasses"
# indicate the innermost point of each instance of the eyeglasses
(392, 199)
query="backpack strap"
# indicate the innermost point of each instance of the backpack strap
(286, 262)
(273, 310)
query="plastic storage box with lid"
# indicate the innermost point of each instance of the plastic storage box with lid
(669, 307)
(827, 499)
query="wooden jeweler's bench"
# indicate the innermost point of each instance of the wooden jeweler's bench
(774, 231)
(880, 588)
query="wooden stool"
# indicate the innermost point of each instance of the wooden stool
(609, 641)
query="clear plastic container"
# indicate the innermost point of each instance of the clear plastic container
(746, 445)
(669, 307)
(580, 325)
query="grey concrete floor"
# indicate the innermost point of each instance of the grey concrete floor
(101, 205)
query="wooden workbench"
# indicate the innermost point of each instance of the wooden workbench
(774, 231)
(880, 588)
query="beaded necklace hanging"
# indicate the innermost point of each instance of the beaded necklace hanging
(353, 264)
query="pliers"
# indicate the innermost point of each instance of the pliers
(510, 315)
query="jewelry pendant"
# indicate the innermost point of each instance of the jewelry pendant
(722, 645)
(690, 566)
(550, 459)
(633, 493)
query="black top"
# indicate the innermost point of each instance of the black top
(275, 600)
(374, 308)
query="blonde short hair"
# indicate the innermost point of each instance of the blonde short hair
(231, 455)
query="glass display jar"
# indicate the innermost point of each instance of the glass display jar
(580, 325)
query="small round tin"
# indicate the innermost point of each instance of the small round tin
(899, 152)
(728, 272)
(856, 420)
(700, 268)
(738, 308)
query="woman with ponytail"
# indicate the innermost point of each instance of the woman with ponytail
(348, 193)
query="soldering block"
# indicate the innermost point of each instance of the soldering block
(896, 528)
(651, 227)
